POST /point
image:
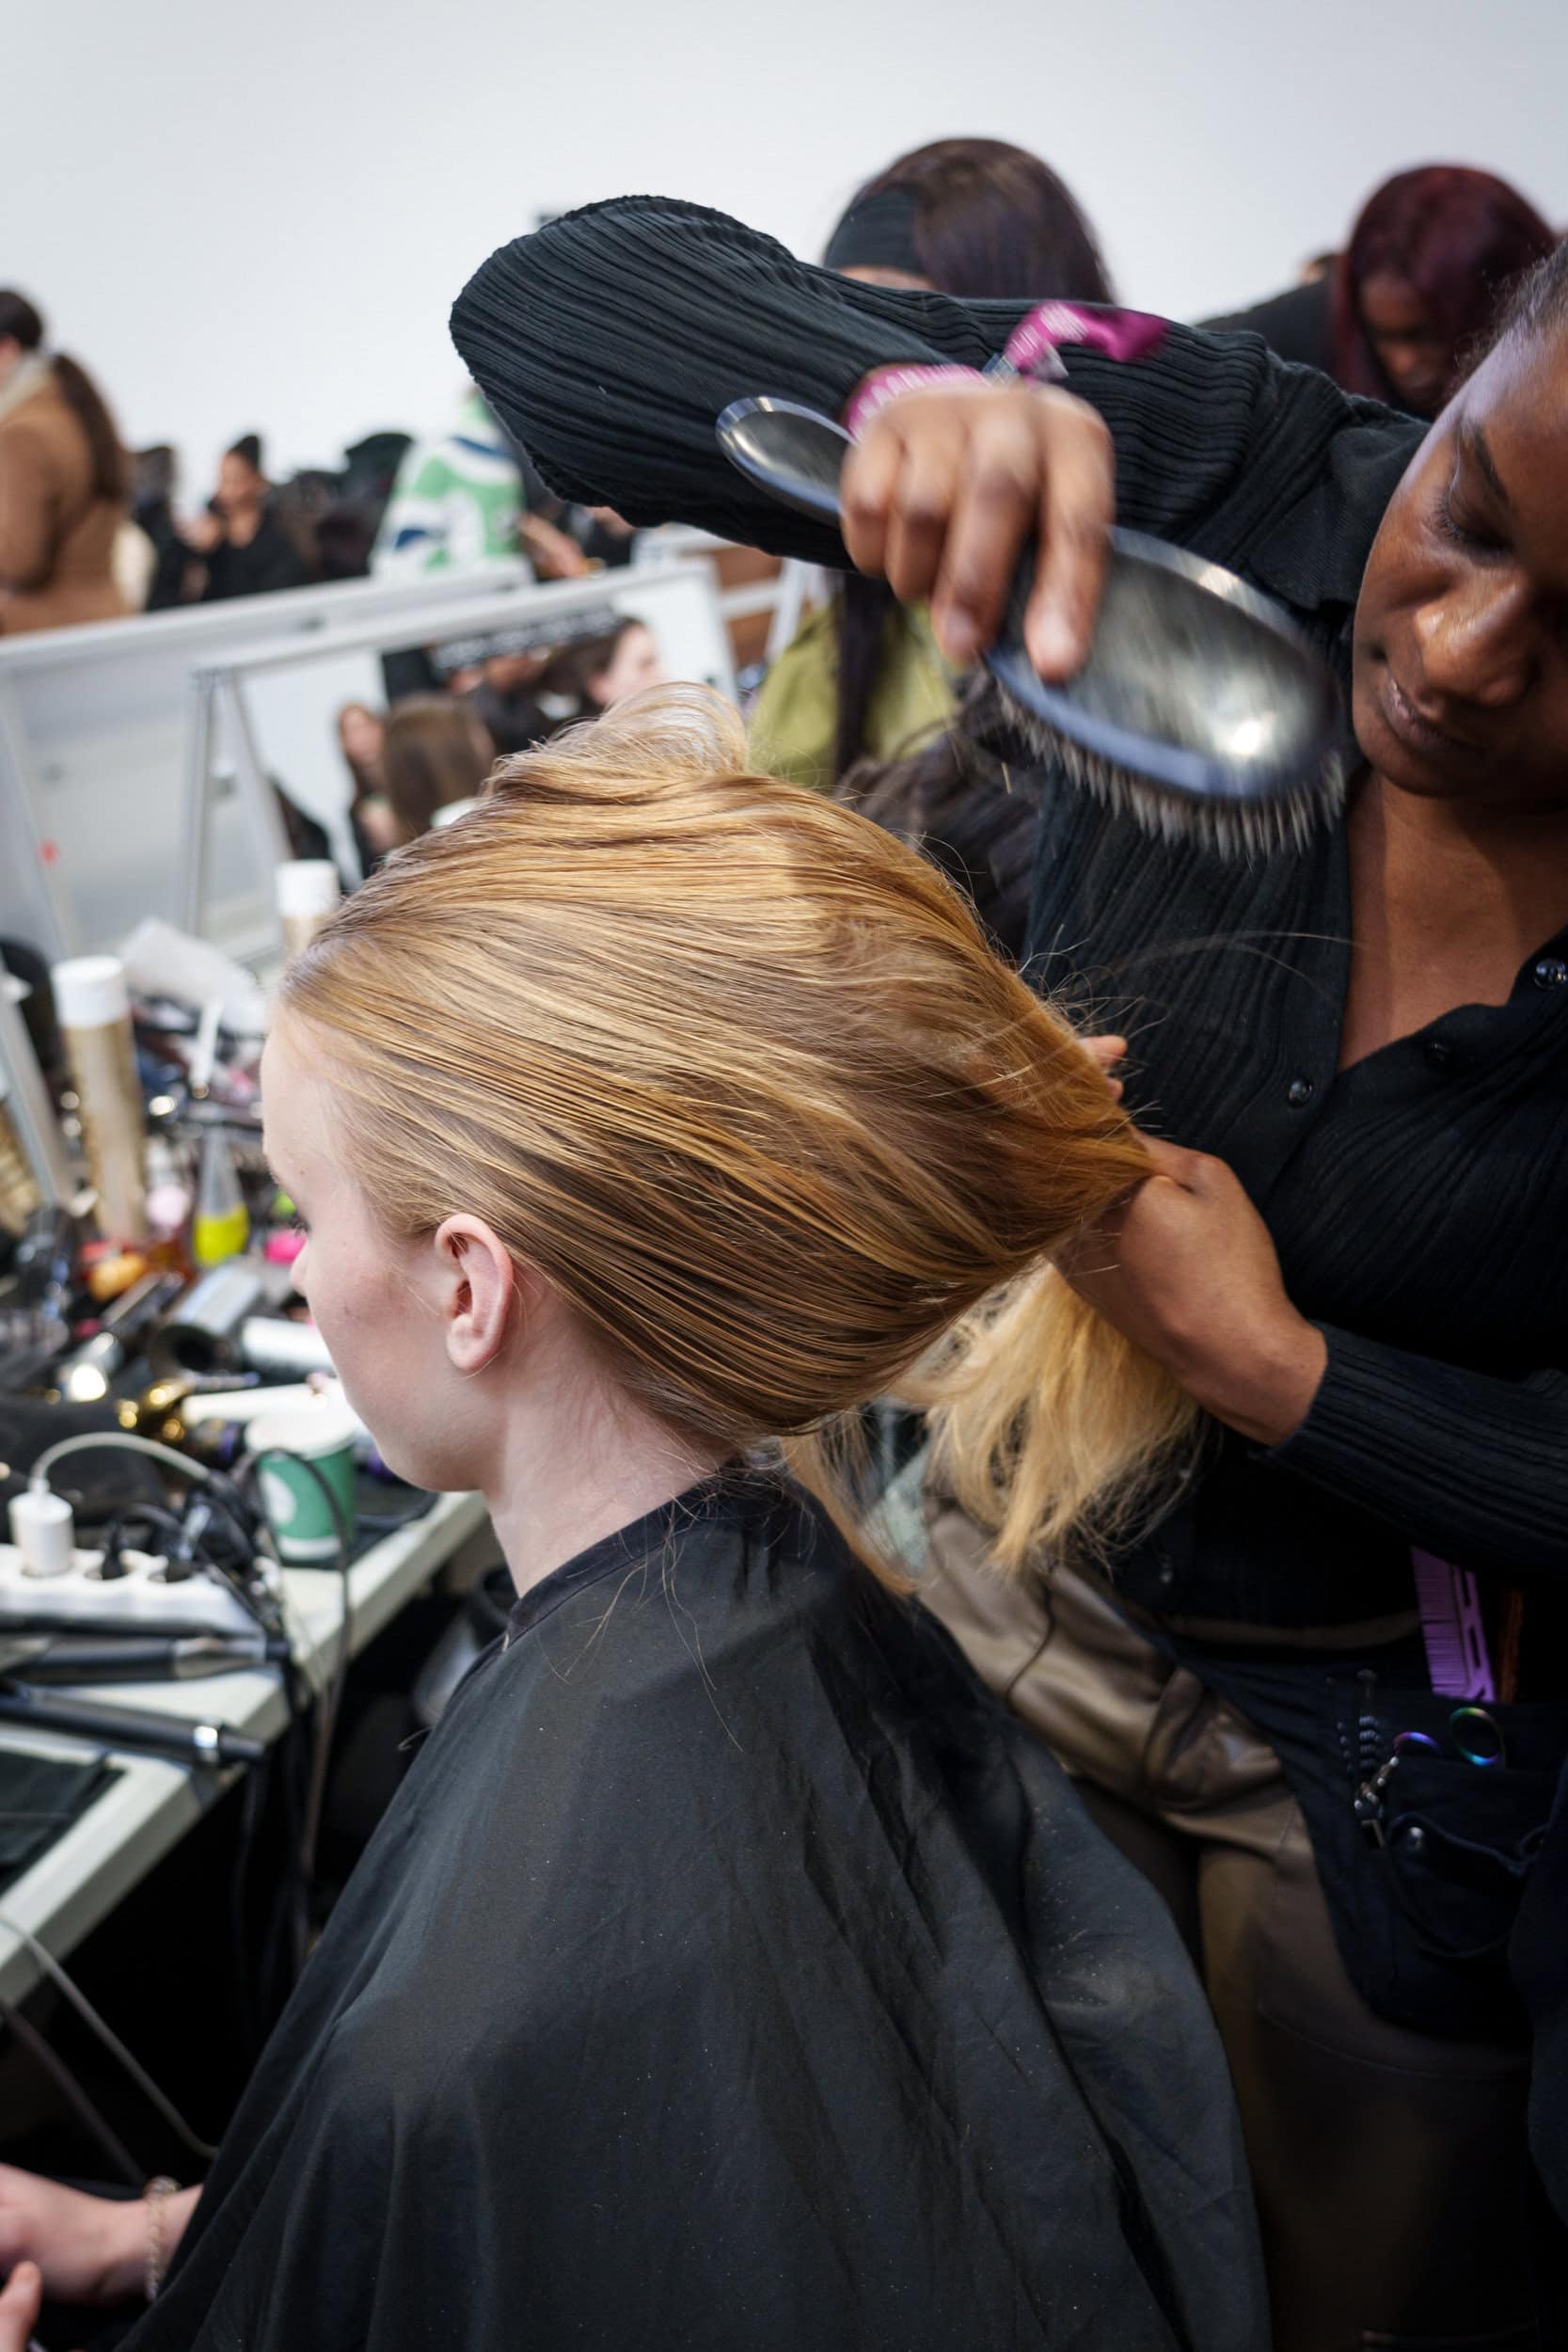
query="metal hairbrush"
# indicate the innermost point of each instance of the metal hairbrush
(1202, 711)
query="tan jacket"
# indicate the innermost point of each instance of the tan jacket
(56, 540)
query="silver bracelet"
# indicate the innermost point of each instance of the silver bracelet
(154, 2196)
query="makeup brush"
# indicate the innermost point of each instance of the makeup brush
(1202, 711)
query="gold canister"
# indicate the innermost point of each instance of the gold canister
(93, 1007)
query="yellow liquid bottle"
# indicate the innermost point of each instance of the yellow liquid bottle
(221, 1226)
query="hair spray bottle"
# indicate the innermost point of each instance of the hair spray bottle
(94, 1008)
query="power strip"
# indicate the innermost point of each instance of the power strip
(140, 1601)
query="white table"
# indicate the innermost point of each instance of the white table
(142, 1814)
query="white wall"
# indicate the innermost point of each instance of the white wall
(259, 217)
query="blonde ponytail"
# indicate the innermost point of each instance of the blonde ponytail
(1049, 1427)
(737, 1073)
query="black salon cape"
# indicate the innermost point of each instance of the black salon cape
(731, 1975)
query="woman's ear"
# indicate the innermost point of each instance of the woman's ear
(477, 1285)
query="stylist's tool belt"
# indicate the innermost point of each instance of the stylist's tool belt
(1426, 1807)
(1424, 1835)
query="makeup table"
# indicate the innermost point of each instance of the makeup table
(136, 1820)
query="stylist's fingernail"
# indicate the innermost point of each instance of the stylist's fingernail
(1053, 648)
(959, 636)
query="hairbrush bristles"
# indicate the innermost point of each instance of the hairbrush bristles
(1235, 829)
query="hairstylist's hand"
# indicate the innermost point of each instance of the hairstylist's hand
(1185, 1266)
(1108, 1052)
(946, 489)
(90, 2249)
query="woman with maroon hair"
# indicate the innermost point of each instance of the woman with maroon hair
(1415, 290)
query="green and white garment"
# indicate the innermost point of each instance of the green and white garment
(457, 501)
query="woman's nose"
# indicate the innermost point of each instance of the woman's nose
(1477, 643)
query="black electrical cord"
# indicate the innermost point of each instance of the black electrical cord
(331, 1699)
(250, 1991)
(133, 2067)
(118, 2156)
(219, 1530)
(300, 1776)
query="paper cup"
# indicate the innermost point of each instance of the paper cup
(298, 1511)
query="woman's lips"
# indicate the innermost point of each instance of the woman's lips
(1413, 729)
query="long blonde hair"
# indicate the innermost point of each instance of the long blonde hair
(738, 1073)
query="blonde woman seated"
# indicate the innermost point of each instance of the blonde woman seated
(731, 1973)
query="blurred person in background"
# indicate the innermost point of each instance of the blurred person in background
(176, 574)
(243, 545)
(362, 740)
(437, 754)
(457, 499)
(589, 676)
(975, 218)
(619, 663)
(1397, 313)
(526, 694)
(63, 483)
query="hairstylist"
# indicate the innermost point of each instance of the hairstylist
(1354, 1265)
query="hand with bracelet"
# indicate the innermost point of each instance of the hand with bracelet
(950, 481)
(79, 2248)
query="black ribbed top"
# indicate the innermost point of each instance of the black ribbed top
(1417, 1200)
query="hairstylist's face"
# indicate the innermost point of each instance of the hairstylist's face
(1407, 342)
(398, 1316)
(1461, 671)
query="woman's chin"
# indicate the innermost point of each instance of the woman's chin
(425, 1465)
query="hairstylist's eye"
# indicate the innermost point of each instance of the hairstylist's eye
(1462, 534)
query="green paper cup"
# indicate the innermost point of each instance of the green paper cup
(298, 1511)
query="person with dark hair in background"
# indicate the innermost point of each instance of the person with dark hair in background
(589, 676)
(362, 740)
(434, 758)
(63, 483)
(1415, 290)
(966, 217)
(860, 702)
(245, 548)
(175, 577)
(524, 697)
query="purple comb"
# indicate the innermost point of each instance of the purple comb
(1454, 1630)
